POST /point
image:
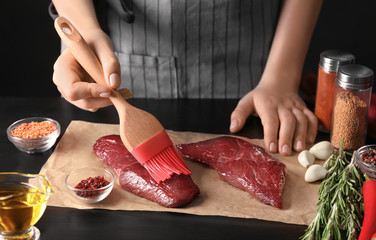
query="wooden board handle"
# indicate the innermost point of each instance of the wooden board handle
(80, 49)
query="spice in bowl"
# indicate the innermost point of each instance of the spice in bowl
(91, 184)
(369, 156)
(34, 129)
(366, 160)
(34, 134)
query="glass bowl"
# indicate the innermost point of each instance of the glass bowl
(83, 174)
(34, 145)
(367, 168)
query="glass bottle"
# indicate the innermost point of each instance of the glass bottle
(351, 104)
(330, 61)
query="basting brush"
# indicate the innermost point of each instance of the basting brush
(141, 133)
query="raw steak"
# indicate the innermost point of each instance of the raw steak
(177, 191)
(243, 165)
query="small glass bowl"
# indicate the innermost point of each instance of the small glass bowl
(89, 196)
(366, 168)
(34, 145)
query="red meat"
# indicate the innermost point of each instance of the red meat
(243, 165)
(177, 191)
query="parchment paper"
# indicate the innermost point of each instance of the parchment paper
(216, 198)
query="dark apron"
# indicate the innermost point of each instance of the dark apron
(190, 48)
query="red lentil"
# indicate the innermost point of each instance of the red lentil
(34, 129)
(91, 184)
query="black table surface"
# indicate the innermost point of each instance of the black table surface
(207, 116)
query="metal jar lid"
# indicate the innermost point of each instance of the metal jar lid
(330, 60)
(354, 77)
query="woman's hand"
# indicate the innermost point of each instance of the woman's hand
(77, 86)
(283, 113)
(286, 120)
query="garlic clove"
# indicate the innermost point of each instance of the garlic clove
(306, 158)
(322, 150)
(314, 173)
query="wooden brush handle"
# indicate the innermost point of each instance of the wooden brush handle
(84, 55)
(80, 49)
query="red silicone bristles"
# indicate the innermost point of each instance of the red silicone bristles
(164, 164)
(160, 158)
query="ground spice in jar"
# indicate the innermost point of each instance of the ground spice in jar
(34, 129)
(91, 183)
(330, 61)
(352, 98)
(325, 98)
(348, 121)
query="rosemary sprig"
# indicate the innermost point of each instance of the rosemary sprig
(346, 211)
(339, 208)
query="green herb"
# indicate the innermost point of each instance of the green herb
(340, 205)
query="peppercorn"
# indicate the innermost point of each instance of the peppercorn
(369, 156)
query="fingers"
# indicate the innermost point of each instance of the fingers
(92, 104)
(81, 90)
(312, 126)
(75, 85)
(111, 68)
(287, 123)
(300, 135)
(286, 132)
(268, 116)
(270, 122)
(298, 127)
(306, 128)
(73, 81)
(241, 113)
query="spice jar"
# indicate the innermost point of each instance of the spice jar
(351, 104)
(330, 61)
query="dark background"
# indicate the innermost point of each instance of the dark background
(30, 46)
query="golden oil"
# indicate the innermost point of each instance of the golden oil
(21, 206)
